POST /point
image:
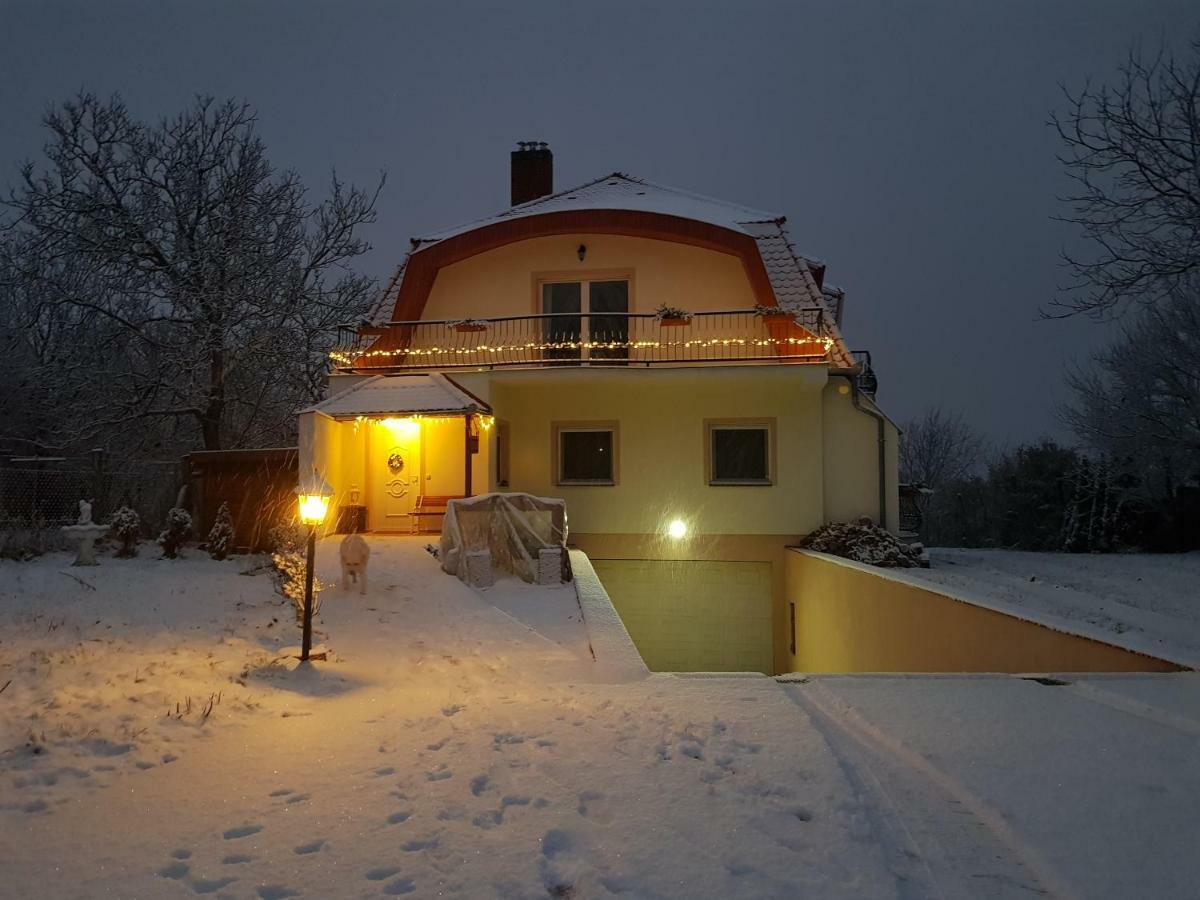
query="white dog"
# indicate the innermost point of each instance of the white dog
(354, 553)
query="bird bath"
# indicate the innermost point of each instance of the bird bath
(85, 532)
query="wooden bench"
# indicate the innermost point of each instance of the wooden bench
(429, 505)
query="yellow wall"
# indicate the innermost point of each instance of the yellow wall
(851, 451)
(501, 282)
(694, 615)
(852, 619)
(661, 445)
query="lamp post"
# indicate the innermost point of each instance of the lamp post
(314, 493)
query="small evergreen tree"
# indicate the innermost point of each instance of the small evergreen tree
(126, 526)
(220, 536)
(179, 525)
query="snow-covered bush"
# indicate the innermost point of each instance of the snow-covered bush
(126, 527)
(288, 560)
(864, 541)
(220, 536)
(179, 526)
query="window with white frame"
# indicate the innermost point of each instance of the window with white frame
(585, 453)
(740, 451)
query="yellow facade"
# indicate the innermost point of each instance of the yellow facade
(504, 281)
(712, 597)
(851, 618)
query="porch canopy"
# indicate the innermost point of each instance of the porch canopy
(402, 395)
(387, 398)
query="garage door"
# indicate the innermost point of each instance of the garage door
(694, 616)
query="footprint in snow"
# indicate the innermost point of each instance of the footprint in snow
(175, 871)
(452, 710)
(419, 844)
(312, 847)
(384, 771)
(439, 773)
(242, 831)
(282, 792)
(399, 887)
(236, 859)
(381, 874)
(479, 784)
(276, 892)
(397, 817)
(210, 885)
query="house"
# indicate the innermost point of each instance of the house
(667, 363)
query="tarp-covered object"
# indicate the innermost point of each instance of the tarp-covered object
(513, 528)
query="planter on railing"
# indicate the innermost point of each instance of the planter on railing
(469, 326)
(672, 316)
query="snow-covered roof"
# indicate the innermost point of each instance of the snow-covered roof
(625, 192)
(401, 395)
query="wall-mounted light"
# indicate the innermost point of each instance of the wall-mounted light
(582, 252)
(677, 529)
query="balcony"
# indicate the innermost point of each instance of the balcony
(608, 339)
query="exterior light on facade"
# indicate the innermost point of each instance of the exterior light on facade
(314, 494)
(401, 428)
(677, 529)
(582, 252)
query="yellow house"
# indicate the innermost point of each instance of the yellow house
(665, 362)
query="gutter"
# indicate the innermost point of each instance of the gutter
(882, 433)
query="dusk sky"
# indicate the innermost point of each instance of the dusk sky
(906, 143)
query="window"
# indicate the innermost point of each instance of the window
(572, 320)
(585, 453)
(741, 451)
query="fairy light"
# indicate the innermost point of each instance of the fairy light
(820, 346)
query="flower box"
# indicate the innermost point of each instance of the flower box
(468, 327)
(673, 322)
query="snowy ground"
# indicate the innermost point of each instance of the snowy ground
(1142, 601)
(466, 744)
(450, 747)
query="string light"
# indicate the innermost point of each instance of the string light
(344, 358)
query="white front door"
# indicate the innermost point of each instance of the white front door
(394, 473)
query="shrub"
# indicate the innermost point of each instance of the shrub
(179, 526)
(126, 527)
(220, 536)
(288, 561)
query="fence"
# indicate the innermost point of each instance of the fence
(38, 495)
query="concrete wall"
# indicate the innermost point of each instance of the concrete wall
(850, 618)
(503, 282)
(850, 440)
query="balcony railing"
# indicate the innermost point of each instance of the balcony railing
(596, 339)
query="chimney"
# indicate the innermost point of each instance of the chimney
(532, 171)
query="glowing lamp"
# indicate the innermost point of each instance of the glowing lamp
(677, 529)
(314, 493)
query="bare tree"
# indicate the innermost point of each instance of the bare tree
(938, 448)
(192, 285)
(1133, 152)
(1138, 400)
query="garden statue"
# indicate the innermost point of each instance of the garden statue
(85, 532)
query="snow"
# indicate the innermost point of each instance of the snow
(1145, 602)
(507, 743)
(455, 743)
(1069, 787)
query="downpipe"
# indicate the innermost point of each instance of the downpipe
(880, 425)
